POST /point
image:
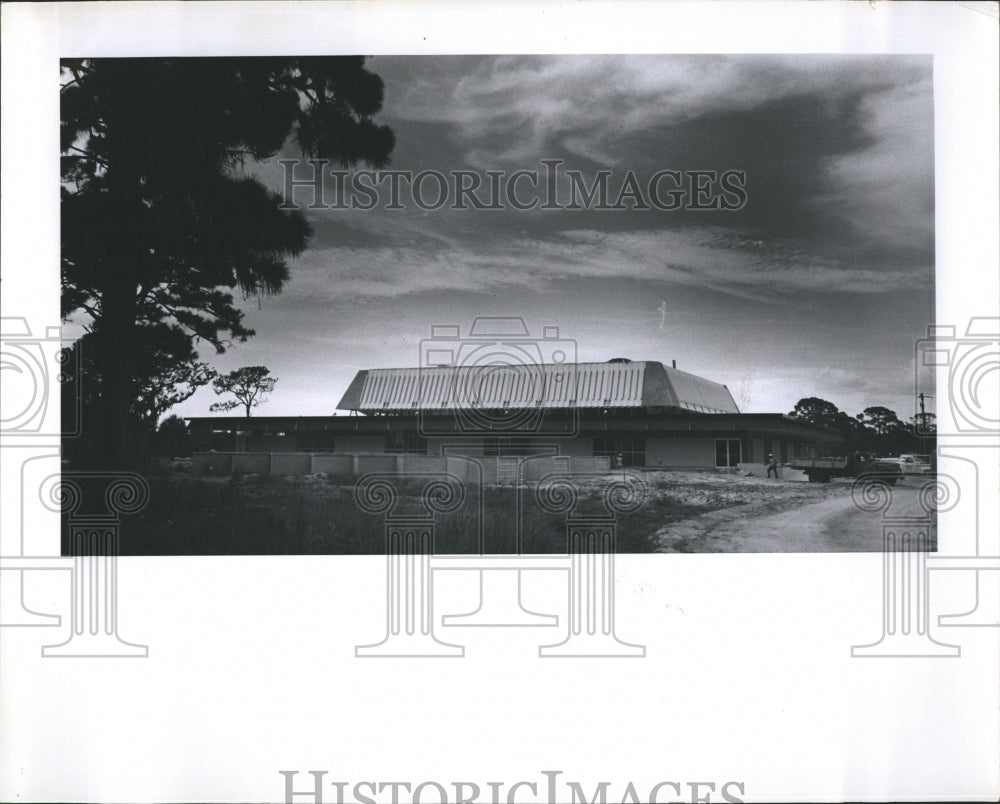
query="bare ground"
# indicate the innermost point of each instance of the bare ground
(758, 515)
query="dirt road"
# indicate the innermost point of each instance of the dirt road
(831, 525)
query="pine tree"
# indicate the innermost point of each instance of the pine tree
(160, 224)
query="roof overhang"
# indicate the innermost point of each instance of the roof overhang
(642, 385)
(585, 423)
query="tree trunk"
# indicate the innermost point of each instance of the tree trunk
(115, 358)
(116, 328)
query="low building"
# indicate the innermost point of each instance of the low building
(641, 414)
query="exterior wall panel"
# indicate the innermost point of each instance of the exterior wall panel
(360, 442)
(337, 465)
(256, 463)
(665, 452)
(463, 445)
(270, 443)
(291, 464)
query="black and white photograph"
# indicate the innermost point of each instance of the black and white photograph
(707, 270)
(359, 360)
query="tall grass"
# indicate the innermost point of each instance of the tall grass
(294, 516)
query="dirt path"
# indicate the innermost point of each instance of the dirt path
(829, 526)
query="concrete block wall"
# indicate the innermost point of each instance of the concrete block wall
(468, 469)
(472, 446)
(291, 463)
(337, 465)
(212, 463)
(257, 463)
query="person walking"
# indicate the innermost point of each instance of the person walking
(772, 466)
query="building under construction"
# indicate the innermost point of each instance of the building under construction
(635, 414)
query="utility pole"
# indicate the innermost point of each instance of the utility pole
(923, 413)
(923, 432)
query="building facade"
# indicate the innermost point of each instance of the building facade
(637, 414)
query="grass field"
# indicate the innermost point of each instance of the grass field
(313, 515)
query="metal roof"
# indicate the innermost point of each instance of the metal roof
(644, 384)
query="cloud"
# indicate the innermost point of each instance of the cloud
(702, 258)
(839, 153)
(512, 108)
(886, 191)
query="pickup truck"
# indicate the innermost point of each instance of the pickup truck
(912, 464)
(858, 464)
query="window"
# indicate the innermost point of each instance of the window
(409, 442)
(727, 452)
(604, 446)
(631, 447)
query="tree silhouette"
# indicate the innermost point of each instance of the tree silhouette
(876, 429)
(818, 411)
(165, 372)
(173, 439)
(886, 433)
(249, 385)
(161, 222)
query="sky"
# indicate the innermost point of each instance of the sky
(819, 284)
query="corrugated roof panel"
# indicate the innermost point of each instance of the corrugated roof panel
(584, 385)
(697, 393)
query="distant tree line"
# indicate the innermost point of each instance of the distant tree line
(876, 429)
